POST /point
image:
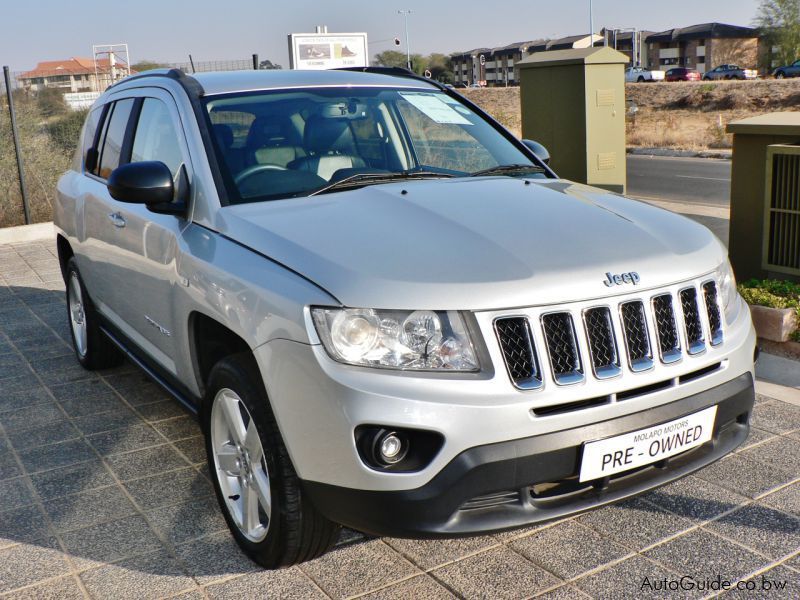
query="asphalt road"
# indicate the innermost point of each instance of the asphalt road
(691, 180)
(696, 187)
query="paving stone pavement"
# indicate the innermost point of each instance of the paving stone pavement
(103, 494)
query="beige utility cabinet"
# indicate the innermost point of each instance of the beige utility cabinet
(765, 197)
(573, 102)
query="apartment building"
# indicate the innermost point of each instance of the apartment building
(703, 47)
(496, 67)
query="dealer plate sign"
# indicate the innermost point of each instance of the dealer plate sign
(638, 448)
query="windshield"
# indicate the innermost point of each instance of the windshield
(287, 144)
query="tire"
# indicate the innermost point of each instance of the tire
(286, 528)
(640, 80)
(92, 348)
(780, 75)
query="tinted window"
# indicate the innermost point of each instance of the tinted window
(156, 137)
(115, 136)
(89, 133)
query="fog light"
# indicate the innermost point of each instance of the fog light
(389, 447)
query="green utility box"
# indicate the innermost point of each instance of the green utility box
(765, 197)
(573, 102)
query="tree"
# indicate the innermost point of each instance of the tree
(146, 65)
(50, 102)
(439, 66)
(780, 23)
(390, 58)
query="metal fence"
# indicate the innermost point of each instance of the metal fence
(47, 107)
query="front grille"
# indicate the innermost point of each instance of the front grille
(562, 348)
(712, 308)
(516, 343)
(611, 339)
(602, 345)
(691, 321)
(637, 340)
(669, 342)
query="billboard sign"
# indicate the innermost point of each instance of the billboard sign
(316, 51)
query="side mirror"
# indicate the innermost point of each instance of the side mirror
(540, 151)
(147, 182)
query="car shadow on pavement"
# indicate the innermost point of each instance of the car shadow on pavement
(103, 467)
(106, 468)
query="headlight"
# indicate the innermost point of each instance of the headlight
(423, 340)
(728, 296)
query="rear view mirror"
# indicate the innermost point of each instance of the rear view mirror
(148, 182)
(539, 150)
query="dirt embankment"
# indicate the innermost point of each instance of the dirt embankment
(681, 115)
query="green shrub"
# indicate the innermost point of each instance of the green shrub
(66, 130)
(771, 293)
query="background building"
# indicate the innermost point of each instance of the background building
(74, 74)
(703, 47)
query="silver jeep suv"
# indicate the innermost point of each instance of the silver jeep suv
(389, 313)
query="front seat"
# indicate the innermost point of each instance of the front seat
(330, 146)
(270, 142)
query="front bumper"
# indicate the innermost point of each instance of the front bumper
(489, 487)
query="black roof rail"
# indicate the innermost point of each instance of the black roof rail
(395, 71)
(187, 81)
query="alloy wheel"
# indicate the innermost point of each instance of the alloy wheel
(77, 314)
(240, 465)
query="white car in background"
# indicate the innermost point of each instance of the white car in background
(640, 74)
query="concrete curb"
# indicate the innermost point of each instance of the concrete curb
(27, 233)
(671, 152)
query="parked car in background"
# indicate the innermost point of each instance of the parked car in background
(388, 312)
(792, 70)
(730, 72)
(682, 74)
(640, 75)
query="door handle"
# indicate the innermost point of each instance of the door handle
(117, 220)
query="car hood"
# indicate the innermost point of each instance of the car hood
(473, 244)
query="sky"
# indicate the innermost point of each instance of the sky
(170, 30)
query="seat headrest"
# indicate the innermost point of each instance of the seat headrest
(224, 135)
(324, 135)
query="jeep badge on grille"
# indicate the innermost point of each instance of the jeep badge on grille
(631, 277)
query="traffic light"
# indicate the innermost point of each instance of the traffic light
(396, 41)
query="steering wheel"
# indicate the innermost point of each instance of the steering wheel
(252, 170)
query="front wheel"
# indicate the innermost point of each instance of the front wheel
(640, 80)
(256, 484)
(779, 75)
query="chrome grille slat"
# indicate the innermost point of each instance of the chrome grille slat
(691, 321)
(712, 309)
(669, 340)
(637, 339)
(562, 348)
(602, 343)
(519, 354)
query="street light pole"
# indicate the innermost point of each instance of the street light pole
(405, 12)
(591, 23)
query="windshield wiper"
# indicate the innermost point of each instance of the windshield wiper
(508, 170)
(361, 179)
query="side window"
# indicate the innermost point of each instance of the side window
(115, 137)
(156, 137)
(89, 133)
